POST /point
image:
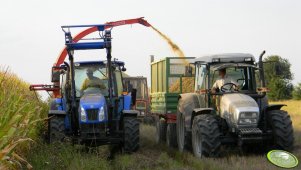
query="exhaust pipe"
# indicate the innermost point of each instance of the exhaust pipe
(261, 71)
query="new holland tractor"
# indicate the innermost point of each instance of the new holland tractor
(237, 113)
(92, 107)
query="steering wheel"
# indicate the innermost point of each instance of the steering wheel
(232, 87)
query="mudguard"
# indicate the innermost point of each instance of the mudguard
(56, 104)
(56, 107)
(130, 113)
(199, 111)
(273, 107)
(187, 103)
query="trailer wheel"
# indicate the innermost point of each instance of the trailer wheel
(205, 136)
(131, 134)
(56, 129)
(171, 135)
(148, 120)
(160, 130)
(183, 137)
(281, 125)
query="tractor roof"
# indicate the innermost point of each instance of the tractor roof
(120, 63)
(226, 58)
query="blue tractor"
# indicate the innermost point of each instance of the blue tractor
(94, 108)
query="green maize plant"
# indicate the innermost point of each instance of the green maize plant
(21, 116)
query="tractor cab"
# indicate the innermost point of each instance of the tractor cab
(228, 84)
(142, 97)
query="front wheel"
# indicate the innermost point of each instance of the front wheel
(205, 136)
(282, 129)
(56, 129)
(131, 134)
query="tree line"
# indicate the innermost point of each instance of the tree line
(278, 77)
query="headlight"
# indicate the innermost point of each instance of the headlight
(248, 115)
(101, 114)
(247, 121)
(248, 118)
(83, 116)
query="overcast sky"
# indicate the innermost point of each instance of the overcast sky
(31, 38)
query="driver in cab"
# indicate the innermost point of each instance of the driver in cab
(218, 86)
(92, 81)
(224, 79)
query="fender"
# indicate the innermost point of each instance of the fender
(200, 111)
(56, 107)
(56, 104)
(130, 113)
(273, 107)
(188, 102)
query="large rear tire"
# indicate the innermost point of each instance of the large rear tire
(171, 135)
(281, 125)
(183, 137)
(206, 136)
(56, 129)
(160, 130)
(131, 134)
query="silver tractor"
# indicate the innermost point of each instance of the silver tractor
(237, 113)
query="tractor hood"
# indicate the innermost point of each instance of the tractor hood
(92, 101)
(239, 110)
(92, 108)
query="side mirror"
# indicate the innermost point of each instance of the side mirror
(188, 71)
(55, 75)
(133, 94)
(123, 69)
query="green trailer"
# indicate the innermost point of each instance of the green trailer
(169, 78)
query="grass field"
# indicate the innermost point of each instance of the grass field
(151, 155)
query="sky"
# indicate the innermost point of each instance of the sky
(31, 38)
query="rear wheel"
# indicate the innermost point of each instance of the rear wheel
(131, 134)
(205, 136)
(183, 137)
(281, 125)
(160, 130)
(171, 135)
(56, 129)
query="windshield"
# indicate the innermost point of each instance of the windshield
(91, 77)
(242, 76)
(139, 84)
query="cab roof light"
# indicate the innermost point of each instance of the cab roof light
(216, 60)
(248, 59)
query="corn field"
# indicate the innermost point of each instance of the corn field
(21, 114)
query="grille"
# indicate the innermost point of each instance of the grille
(247, 131)
(92, 114)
